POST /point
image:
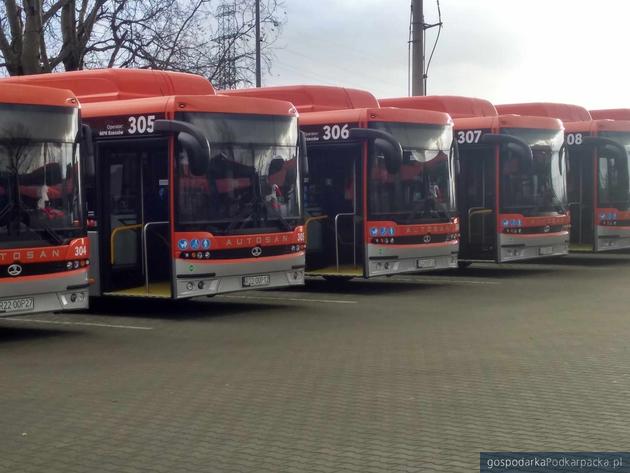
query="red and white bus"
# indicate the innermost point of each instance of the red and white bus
(380, 197)
(598, 176)
(599, 173)
(511, 190)
(44, 248)
(195, 194)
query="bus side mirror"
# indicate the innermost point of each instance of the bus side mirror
(385, 142)
(562, 156)
(513, 144)
(609, 145)
(455, 154)
(87, 150)
(303, 153)
(192, 140)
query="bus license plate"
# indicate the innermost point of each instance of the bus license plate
(17, 305)
(545, 250)
(425, 263)
(256, 281)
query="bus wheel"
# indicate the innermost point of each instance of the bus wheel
(338, 279)
(463, 264)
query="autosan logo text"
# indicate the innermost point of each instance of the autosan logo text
(29, 255)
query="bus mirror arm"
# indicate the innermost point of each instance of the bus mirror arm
(87, 149)
(386, 142)
(192, 140)
(458, 167)
(303, 153)
(607, 143)
(513, 143)
(562, 156)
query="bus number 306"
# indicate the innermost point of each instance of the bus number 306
(141, 124)
(336, 132)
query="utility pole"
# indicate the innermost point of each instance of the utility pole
(258, 40)
(417, 47)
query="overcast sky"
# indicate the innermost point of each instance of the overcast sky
(573, 51)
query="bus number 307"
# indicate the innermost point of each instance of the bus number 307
(141, 124)
(468, 137)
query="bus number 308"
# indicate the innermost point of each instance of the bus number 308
(574, 139)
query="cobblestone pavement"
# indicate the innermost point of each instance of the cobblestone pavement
(409, 374)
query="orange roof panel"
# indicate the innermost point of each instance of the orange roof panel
(101, 85)
(312, 98)
(563, 111)
(31, 95)
(189, 103)
(455, 106)
(611, 113)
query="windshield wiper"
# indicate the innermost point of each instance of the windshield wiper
(441, 212)
(46, 230)
(280, 218)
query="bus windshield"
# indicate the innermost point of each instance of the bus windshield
(539, 187)
(40, 201)
(613, 172)
(423, 190)
(252, 181)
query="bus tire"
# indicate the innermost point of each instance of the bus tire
(463, 264)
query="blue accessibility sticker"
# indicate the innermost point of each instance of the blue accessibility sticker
(374, 231)
(205, 244)
(182, 244)
(194, 244)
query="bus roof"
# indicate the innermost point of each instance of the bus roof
(102, 85)
(31, 95)
(189, 103)
(319, 104)
(495, 124)
(362, 116)
(313, 98)
(612, 113)
(595, 126)
(455, 106)
(563, 111)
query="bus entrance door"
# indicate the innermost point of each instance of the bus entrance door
(334, 223)
(136, 225)
(580, 191)
(477, 204)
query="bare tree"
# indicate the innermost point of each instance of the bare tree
(183, 35)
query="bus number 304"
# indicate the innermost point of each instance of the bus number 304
(141, 124)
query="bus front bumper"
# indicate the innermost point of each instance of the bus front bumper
(524, 247)
(610, 238)
(385, 260)
(207, 279)
(56, 292)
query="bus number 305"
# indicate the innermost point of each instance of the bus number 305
(141, 124)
